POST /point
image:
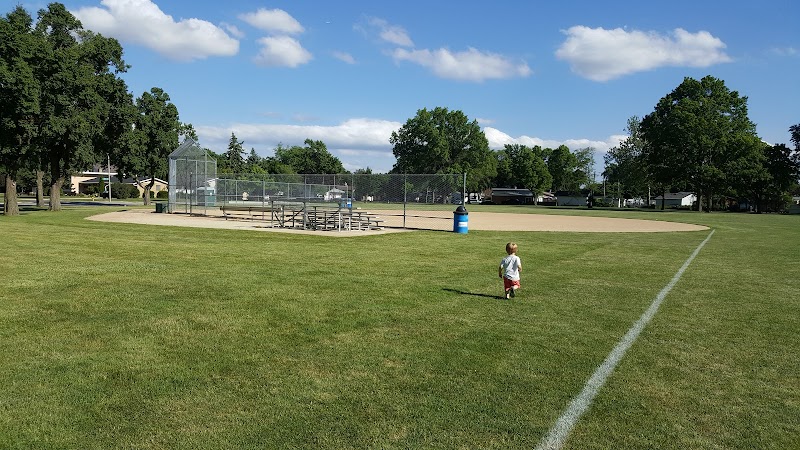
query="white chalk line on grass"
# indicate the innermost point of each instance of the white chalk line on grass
(557, 436)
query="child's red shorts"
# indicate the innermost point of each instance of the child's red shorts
(510, 284)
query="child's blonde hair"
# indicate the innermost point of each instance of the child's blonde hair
(511, 248)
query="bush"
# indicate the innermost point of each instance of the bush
(123, 191)
(162, 194)
(133, 192)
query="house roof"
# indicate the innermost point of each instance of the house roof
(512, 192)
(675, 195)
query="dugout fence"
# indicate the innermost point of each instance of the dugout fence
(192, 179)
(415, 201)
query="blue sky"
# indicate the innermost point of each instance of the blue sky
(536, 73)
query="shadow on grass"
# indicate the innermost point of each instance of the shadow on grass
(474, 294)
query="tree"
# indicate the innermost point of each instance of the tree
(442, 141)
(234, 157)
(695, 131)
(795, 132)
(782, 165)
(563, 167)
(504, 177)
(314, 158)
(783, 168)
(625, 163)
(187, 130)
(79, 76)
(153, 138)
(523, 167)
(584, 167)
(20, 93)
(252, 161)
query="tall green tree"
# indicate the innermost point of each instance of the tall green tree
(20, 93)
(697, 129)
(523, 167)
(187, 131)
(794, 130)
(625, 163)
(563, 166)
(313, 158)
(584, 167)
(234, 157)
(80, 84)
(152, 139)
(252, 161)
(795, 133)
(765, 176)
(504, 176)
(443, 141)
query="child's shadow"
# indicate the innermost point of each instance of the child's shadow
(475, 294)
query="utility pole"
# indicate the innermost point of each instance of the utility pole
(109, 177)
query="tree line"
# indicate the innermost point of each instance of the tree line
(437, 141)
(699, 139)
(64, 107)
(311, 158)
(444, 141)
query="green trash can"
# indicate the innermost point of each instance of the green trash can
(161, 207)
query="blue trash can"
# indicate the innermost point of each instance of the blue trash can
(460, 220)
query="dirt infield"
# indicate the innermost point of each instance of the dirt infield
(477, 221)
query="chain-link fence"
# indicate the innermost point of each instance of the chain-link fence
(192, 178)
(399, 200)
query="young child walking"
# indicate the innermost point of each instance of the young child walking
(509, 270)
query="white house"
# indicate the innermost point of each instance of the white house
(333, 194)
(81, 182)
(675, 200)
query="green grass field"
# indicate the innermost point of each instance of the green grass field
(132, 336)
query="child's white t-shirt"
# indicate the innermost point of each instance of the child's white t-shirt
(510, 265)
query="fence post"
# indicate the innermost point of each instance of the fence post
(405, 197)
(464, 191)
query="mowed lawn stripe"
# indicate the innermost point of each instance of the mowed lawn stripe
(558, 435)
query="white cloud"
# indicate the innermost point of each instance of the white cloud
(498, 139)
(785, 51)
(392, 34)
(601, 55)
(142, 22)
(233, 30)
(281, 51)
(470, 65)
(362, 134)
(358, 142)
(363, 142)
(344, 57)
(273, 21)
